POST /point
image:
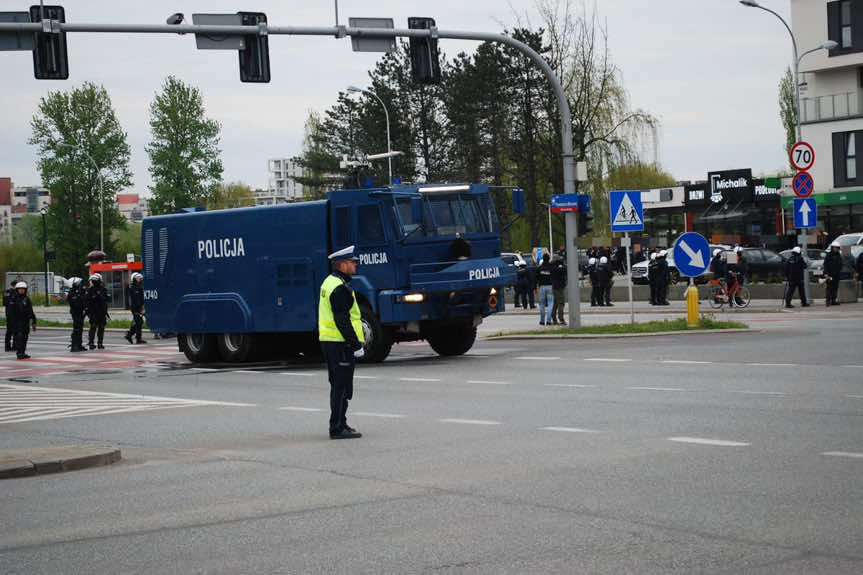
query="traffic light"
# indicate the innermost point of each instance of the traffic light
(50, 61)
(585, 223)
(425, 68)
(255, 56)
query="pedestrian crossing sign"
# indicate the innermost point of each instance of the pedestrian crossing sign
(626, 211)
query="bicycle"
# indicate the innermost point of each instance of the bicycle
(719, 295)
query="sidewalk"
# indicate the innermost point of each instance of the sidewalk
(54, 459)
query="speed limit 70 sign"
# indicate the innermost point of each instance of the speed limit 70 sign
(802, 156)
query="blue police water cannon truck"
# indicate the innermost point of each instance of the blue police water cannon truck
(235, 284)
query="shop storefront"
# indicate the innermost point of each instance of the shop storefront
(838, 213)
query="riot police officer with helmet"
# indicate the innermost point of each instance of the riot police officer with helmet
(76, 298)
(21, 318)
(136, 305)
(97, 311)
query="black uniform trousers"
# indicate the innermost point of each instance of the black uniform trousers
(21, 337)
(832, 291)
(9, 331)
(77, 327)
(97, 329)
(795, 285)
(340, 367)
(135, 328)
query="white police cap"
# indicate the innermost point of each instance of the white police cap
(344, 254)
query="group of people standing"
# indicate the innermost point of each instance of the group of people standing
(550, 289)
(601, 275)
(658, 277)
(795, 274)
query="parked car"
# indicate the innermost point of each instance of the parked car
(814, 257)
(639, 270)
(763, 265)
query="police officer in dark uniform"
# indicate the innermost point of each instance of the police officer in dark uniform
(605, 273)
(21, 318)
(76, 298)
(136, 305)
(652, 274)
(340, 332)
(593, 274)
(663, 277)
(97, 311)
(8, 299)
(859, 267)
(795, 271)
(832, 270)
(558, 288)
(522, 284)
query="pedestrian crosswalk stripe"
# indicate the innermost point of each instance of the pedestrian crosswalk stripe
(23, 403)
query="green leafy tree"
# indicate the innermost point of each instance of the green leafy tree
(320, 167)
(184, 149)
(29, 230)
(788, 112)
(19, 256)
(79, 139)
(232, 195)
(127, 241)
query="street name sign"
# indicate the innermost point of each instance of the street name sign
(805, 213)
(564, 203)
(626, 211)
(691, 254)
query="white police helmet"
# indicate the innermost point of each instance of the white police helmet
(591, 261)
(663, 253)
(796, 249)
(653, 256)
(96, 278)
(136, 276)
(75, 281)
(20, 285)
(834, 245)
(717, 251)
(738, 249)
(603, 260)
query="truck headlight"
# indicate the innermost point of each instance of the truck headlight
(414, 297)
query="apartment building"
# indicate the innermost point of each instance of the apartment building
(831, 108)
(132, 207)
(281, 185)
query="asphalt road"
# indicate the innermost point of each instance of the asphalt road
(721, 453)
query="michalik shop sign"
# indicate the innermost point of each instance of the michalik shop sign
(722, 188)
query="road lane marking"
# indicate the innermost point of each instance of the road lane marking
(203, 369)
(774, 364)
(70, 359)
(684, 361)
(748, 392)
(705, 441)
(537, 358)
(418, 379)
(568, 429)
(489, 382)
(249, 371)
(855, 396)
(844, 454)
(470, 421)
(641, 388)
(303, 409)
(614, 359)
(575, 385)
(300, 373)
(365, 377)
(381, 415)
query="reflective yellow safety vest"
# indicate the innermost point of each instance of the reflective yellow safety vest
(327, 330)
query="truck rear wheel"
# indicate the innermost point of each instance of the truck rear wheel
(235, 347)
(453, 339)
(198, 347)
(378, 341)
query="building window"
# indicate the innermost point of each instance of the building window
(850, 156)
(845, 23)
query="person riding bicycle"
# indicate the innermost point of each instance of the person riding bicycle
(734, 278)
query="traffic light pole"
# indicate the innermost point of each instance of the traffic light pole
(264, 29)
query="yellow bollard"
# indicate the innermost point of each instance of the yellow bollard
(692, 306)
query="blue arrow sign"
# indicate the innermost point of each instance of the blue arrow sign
(626, 212)
(691, 254)
(805, 213)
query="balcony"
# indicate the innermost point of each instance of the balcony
(830, 107)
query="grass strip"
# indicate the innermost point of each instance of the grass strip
(655, 326)
(113, 323)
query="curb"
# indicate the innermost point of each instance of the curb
(620, 335)
(40, 460)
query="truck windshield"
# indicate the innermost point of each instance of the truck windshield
(448, 214)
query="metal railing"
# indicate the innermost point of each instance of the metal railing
(829, 107)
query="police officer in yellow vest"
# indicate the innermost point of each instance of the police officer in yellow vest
(340, 331)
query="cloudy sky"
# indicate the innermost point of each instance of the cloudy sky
(708, 69)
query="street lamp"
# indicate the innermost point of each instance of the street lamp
(101, 190)
(44, 211)
(827, 45)
(550, 241)
(387, 116)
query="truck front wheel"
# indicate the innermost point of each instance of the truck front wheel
(378, 341)
(198, 347)
(453, 339)
(235, 347)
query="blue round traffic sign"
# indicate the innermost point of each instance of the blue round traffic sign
(691, 254)
(803, 184)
